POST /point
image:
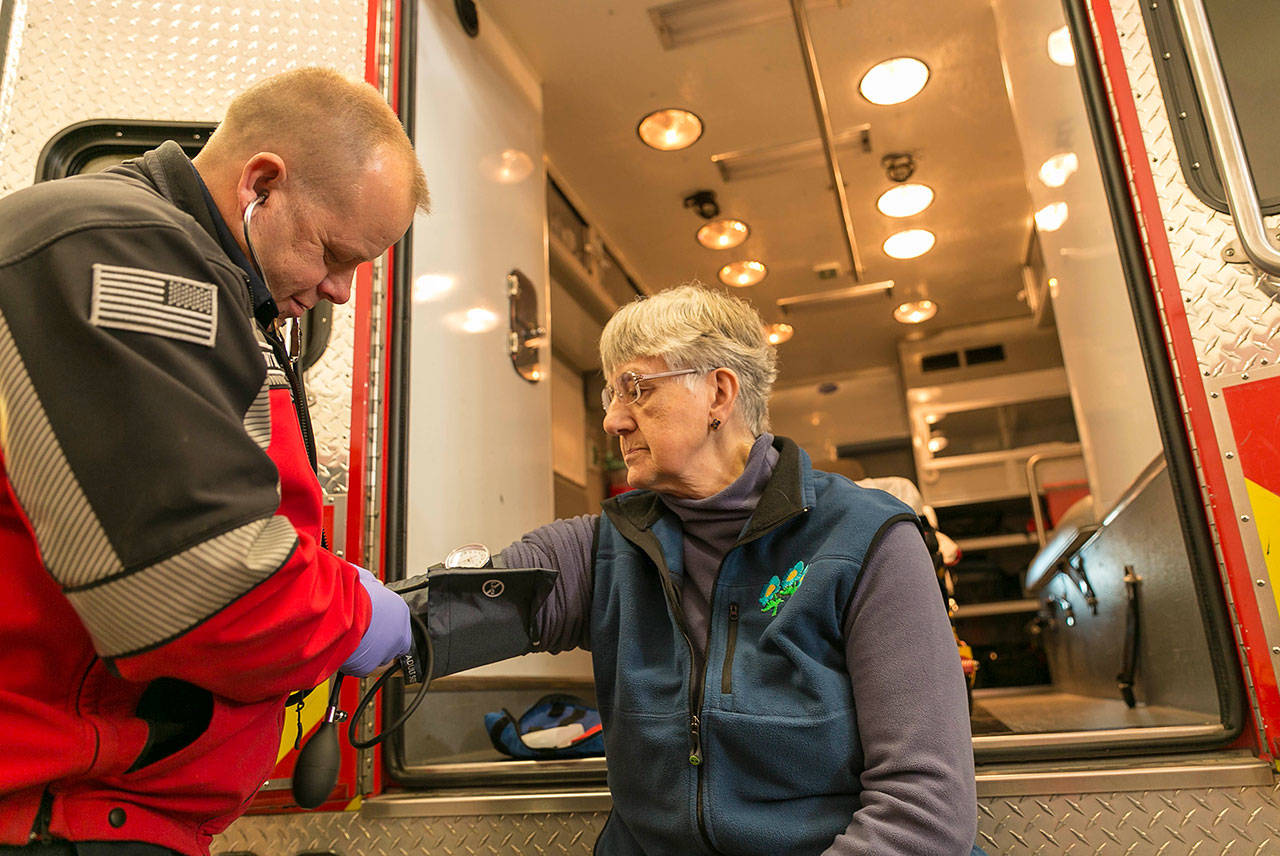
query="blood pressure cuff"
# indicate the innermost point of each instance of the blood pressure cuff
(474, 616)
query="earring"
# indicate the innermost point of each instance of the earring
(715, 423)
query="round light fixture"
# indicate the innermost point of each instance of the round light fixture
(1056, 170)
(894, 80)
(670, 129)
(778, 333)
(1051, 217)
(905, 200)
(915, 311)
(909, 244)
(1060, 49)
(742, 274)
(723, 234)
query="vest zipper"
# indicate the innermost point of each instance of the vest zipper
(698, 680)
(695, 733)
(695, 727)
(726, 677)
(695, 724)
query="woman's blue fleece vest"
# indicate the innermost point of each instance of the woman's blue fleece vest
(760, 753)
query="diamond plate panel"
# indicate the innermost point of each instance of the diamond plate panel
(71, 61)
(347, 834)
(329, 396)
(1243, 821)
(1231, 309)
(1161, 823)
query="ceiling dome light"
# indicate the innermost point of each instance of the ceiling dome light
(742, 274)
(1056, 170)
(915, 311)
(909, 244)
(894, 80)
(778, 333)
(670, 129)
(1051, 217)
(723, 234)
(905, 200)
(1060, 49)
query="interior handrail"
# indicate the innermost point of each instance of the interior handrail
(1224, 131)
(1033, 487)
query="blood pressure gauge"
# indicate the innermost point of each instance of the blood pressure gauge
(468, 556)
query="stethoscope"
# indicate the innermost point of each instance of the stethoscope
(248, 218)
(316, 771)
(293, 341)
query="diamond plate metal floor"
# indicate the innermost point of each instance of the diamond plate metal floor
(1237, 821)
(346, 834)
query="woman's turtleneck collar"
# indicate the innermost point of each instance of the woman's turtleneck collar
(740, 496)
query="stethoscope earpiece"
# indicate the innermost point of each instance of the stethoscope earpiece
(248, 218)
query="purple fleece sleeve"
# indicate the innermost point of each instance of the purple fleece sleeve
(564, 621)
(913, 717)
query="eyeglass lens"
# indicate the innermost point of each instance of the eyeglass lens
(627, 390)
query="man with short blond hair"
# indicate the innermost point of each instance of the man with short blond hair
(167, 578)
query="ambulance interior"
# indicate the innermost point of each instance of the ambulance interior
(1020, 405)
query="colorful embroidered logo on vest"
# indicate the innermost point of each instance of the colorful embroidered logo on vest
(777, 591)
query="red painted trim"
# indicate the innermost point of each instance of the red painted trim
(1186, 367)
(358, 538)
(1252, 407)
(395, 59)
(389, 303)
(359, 417)
(371, 43)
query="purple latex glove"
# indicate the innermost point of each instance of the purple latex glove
(388, 636)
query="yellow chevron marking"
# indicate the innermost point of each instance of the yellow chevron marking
(312, 713)
(1266, 516)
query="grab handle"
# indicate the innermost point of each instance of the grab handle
(1211, 86)
(1033, 487)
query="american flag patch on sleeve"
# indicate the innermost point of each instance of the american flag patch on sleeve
(146, 301)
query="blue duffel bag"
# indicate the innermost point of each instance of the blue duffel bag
(555, 726)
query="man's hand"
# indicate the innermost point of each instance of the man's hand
(388, 636)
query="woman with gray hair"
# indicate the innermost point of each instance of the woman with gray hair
(773, 662)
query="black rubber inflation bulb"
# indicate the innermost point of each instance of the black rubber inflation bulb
(316, 772)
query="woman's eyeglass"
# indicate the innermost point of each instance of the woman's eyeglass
(627, 387)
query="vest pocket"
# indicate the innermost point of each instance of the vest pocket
(726, 676)
(778, 784)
